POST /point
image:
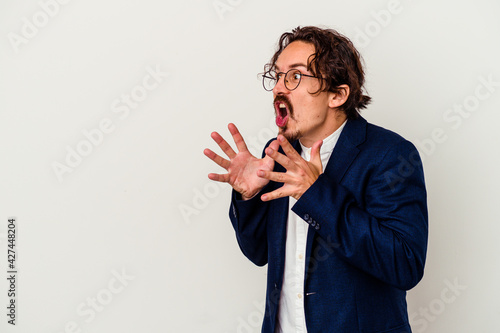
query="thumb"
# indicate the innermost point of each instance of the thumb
(316, 156)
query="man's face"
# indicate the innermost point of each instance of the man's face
(299, 113)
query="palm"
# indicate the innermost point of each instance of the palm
(243, 173)
(241, 167)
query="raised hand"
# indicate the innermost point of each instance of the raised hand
(300, 174)
(241, 167)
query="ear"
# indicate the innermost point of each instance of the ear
(340, 97)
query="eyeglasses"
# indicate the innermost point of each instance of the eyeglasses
(292, 79)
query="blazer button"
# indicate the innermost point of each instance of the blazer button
(313, 223)
(317, 226)
(306, 217)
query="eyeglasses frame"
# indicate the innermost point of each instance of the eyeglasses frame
(264, 77)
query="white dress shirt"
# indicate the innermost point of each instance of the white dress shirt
(291, 314)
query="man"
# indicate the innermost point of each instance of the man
(336, 206)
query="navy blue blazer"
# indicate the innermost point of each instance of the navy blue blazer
(367, 237)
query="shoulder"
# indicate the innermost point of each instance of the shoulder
(382, 138)
(377, 141)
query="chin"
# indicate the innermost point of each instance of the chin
(290, 135)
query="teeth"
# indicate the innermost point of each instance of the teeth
(283, 106)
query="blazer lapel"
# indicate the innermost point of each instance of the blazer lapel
(346, 150)
(343, 155)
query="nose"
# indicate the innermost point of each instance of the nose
(279, 88)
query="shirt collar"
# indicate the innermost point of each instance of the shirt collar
(327, 148)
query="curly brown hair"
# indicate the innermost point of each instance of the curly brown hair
(335, 62)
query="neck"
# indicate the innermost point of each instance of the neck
(331, 125)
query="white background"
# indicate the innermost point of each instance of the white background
(139, 203)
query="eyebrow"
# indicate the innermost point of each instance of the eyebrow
(299, 64)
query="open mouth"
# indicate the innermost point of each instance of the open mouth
(282, 113)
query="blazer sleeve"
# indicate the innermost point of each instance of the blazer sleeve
(387, 236)
(249, 220)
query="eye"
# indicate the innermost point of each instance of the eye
(294, 76)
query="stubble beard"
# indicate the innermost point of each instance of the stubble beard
(290, 136)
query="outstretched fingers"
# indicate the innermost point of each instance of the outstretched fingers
(276, 194)
(290, 159)
(279, 177)
(224, 178)
(288, 149)
(238, 139)
(226, 148)
(299, 175)
(222, 162)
